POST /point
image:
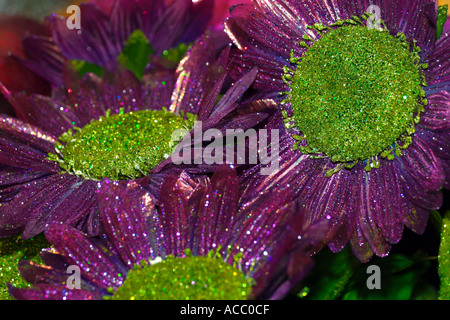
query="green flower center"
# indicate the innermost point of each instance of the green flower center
(120, 146)
(188, 278)
(356, 92)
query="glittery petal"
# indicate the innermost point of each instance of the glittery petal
(233, 94)
(31, 195)
(202, 11)
(15, 176)
(174, 218)
(44, 58)
(157, 90)
(85, 97)
(257, 28)
(439, 142)
(329, 197)
(19, 155)
(69, 206)
(197, 73)
(27, 134)
(52, 292)
(261, 230)
(217, 210)
(416, 218)
(420, 167)
(360, 246)
(446, 167)
(384, 200)
(79, 251)
(121, 89)
(43, 112)
(93, 43)
(125, 18)
(438, 74)
(175, 18)
(284, 244)
(418, 21)
(123, 219)
(437, 116)
(269, 71)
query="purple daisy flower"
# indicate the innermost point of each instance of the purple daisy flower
(117, 127)
(364, 112)
(102, 37)
(200, 244)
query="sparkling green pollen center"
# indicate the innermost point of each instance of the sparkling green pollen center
(189, 278)
(355, 92)
(120, 146)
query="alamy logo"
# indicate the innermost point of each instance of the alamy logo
(74, 280)
(374, 20)
(74, 20)
(373, 281)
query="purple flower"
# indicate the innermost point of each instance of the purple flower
(116, 127)
(103, 36)
(201, 242)
(365, 110)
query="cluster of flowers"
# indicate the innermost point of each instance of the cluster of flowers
(359, 99)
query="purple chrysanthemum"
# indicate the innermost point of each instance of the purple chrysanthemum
(103, 36)
(116, 127)
(365, 110)
(198, 243)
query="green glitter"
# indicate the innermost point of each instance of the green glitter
(120, 146)
(189, 278)
(444, 259)
(12, 250)
(441, 19)
(356, 94)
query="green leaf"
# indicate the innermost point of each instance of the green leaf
(84, 67)
(135, 55)
(12, 250)
(436, 220)
(441, 19)
(399, 276)
(330, 275)
(177, 53)
(444, 259)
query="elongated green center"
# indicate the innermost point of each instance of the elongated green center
(189, 278)
(355, 92)
(120, 146)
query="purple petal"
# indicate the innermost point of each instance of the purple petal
(125, 18)
(69, 206)
(202, 12)
(31, 195)
(233, 94)
(79, 250)
(53, 292)
(123, 219)
(419, 164)
(439, 142)
(197, 74)
(383, 201)
(43, 112)
(45, 58)
(21, 156)
(259, 32)
(270, 71)
(93, 43)
(438, 72)
(172, 24)
(27, 134)
(217, 211)
(437, 115)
